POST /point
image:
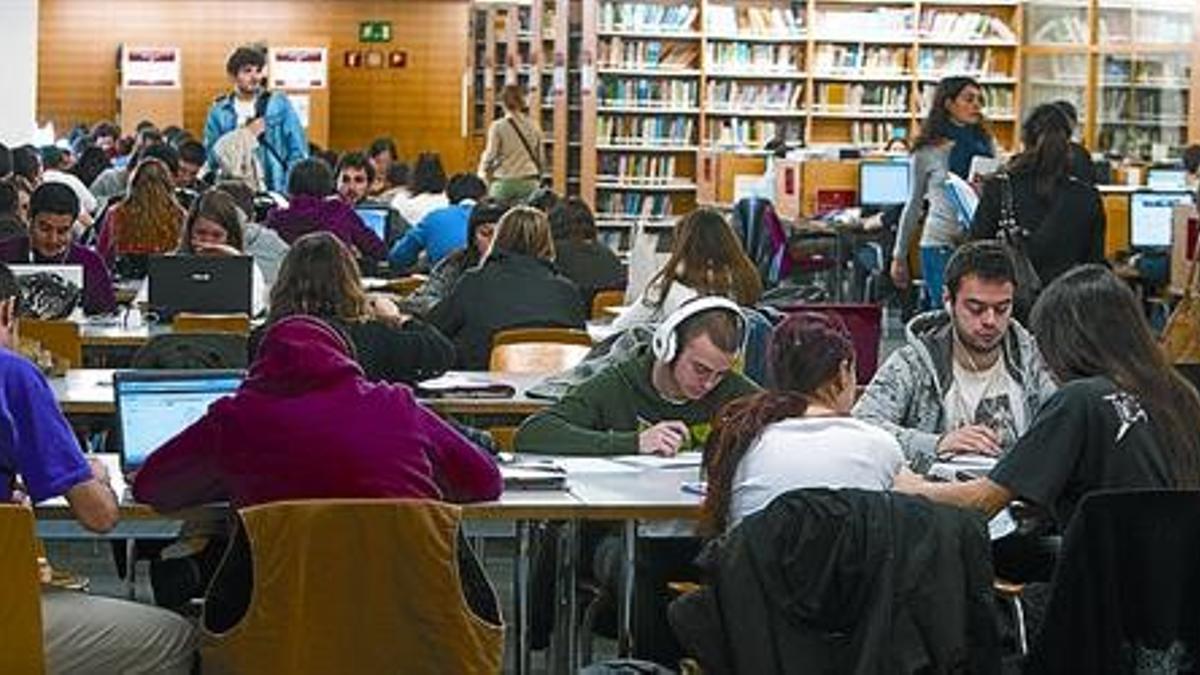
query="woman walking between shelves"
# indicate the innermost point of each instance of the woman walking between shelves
(952, 135)
(512, 161)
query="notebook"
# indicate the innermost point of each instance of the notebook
(155, 405)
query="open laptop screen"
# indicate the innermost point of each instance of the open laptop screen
(376, 220)
(882, 184)
(1150, 217)
(152, 407)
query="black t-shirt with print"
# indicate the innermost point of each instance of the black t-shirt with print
(1090, 435)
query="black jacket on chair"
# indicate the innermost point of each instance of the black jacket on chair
(846, 581)
(508, 290)
(1126, 592)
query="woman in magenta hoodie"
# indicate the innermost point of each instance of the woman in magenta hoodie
(312, 207)
(306, 424)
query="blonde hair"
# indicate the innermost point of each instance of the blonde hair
(525, 230)
(150, 220)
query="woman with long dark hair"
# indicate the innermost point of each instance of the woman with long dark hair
(1064, 216)
(706, 259)
(1123, 418)
(951, 136)
(797, 434)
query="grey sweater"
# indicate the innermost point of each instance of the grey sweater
(930, 168)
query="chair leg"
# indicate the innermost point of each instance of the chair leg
(1019, 617)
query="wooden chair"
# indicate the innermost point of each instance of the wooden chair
(538, 350)
(186, 322)
(504, 437)
(20, 594)
(605, 299)
(60, 338)
(328, 596)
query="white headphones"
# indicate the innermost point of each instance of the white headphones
(666, 337)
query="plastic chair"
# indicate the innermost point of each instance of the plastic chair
(604, 299)
(187, 322)
(351, 586)
(20, 594)
(865, 323)
(60, 338)
(538, 350)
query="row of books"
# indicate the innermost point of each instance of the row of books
(647, 16)
(753, 133)
(879, 23)
(1167, 68)
(875, 133)
(616, 52)
(636, 168)
(1139, 141)
(841, 96)
(743, 55)
(732, 95)
(642, 91)
(645, 130)
(1062, 27)
(756, 21)
(861, 59)
(965, 26)
(955, 59)
(623, 203)
(1122, 104)
(1149, 28)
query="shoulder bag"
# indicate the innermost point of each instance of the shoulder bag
(1014, 237)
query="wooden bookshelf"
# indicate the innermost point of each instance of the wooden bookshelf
(1131, 66)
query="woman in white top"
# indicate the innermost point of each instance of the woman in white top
(800, 433)
(426, 189)
(706, 259)
(513, 161)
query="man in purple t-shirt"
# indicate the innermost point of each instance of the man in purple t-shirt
(81, 632)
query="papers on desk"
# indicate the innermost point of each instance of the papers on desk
(463, 385)
(533, 474)
(684, 460)
(962, 467)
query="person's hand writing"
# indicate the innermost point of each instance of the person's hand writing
(664, 438)
(975, 438)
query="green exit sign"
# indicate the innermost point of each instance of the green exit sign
(375, 31)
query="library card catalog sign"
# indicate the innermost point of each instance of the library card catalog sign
(299, 67)
(150, 67)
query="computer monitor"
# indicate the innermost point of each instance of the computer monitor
(200, 283)
(1166, 178)
(1150, 215)
(378, 219)
(72, 274)
(882, 184)
(155, 405)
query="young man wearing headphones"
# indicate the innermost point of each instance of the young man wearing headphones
(970, 378)
(659, 401)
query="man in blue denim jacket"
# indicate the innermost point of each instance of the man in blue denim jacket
(281, 139)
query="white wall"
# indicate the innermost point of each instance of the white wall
(18, 76)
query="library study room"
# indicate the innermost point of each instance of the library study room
(599, 337)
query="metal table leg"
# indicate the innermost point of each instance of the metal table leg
(628, 578)
(521, 597)
(564, 647)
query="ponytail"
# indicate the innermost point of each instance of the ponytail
(1047, 139)
(734, 430)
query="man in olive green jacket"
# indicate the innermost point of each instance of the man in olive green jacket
(648, 404)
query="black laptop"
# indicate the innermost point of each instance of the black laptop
(200, 284)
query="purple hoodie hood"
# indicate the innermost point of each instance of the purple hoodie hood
(300, 354)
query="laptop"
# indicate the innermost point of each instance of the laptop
(882, 184)
(72, 274)
(1150, 217)
(1166, 178)
(200, 284)
(378, 219)
(155, 405)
